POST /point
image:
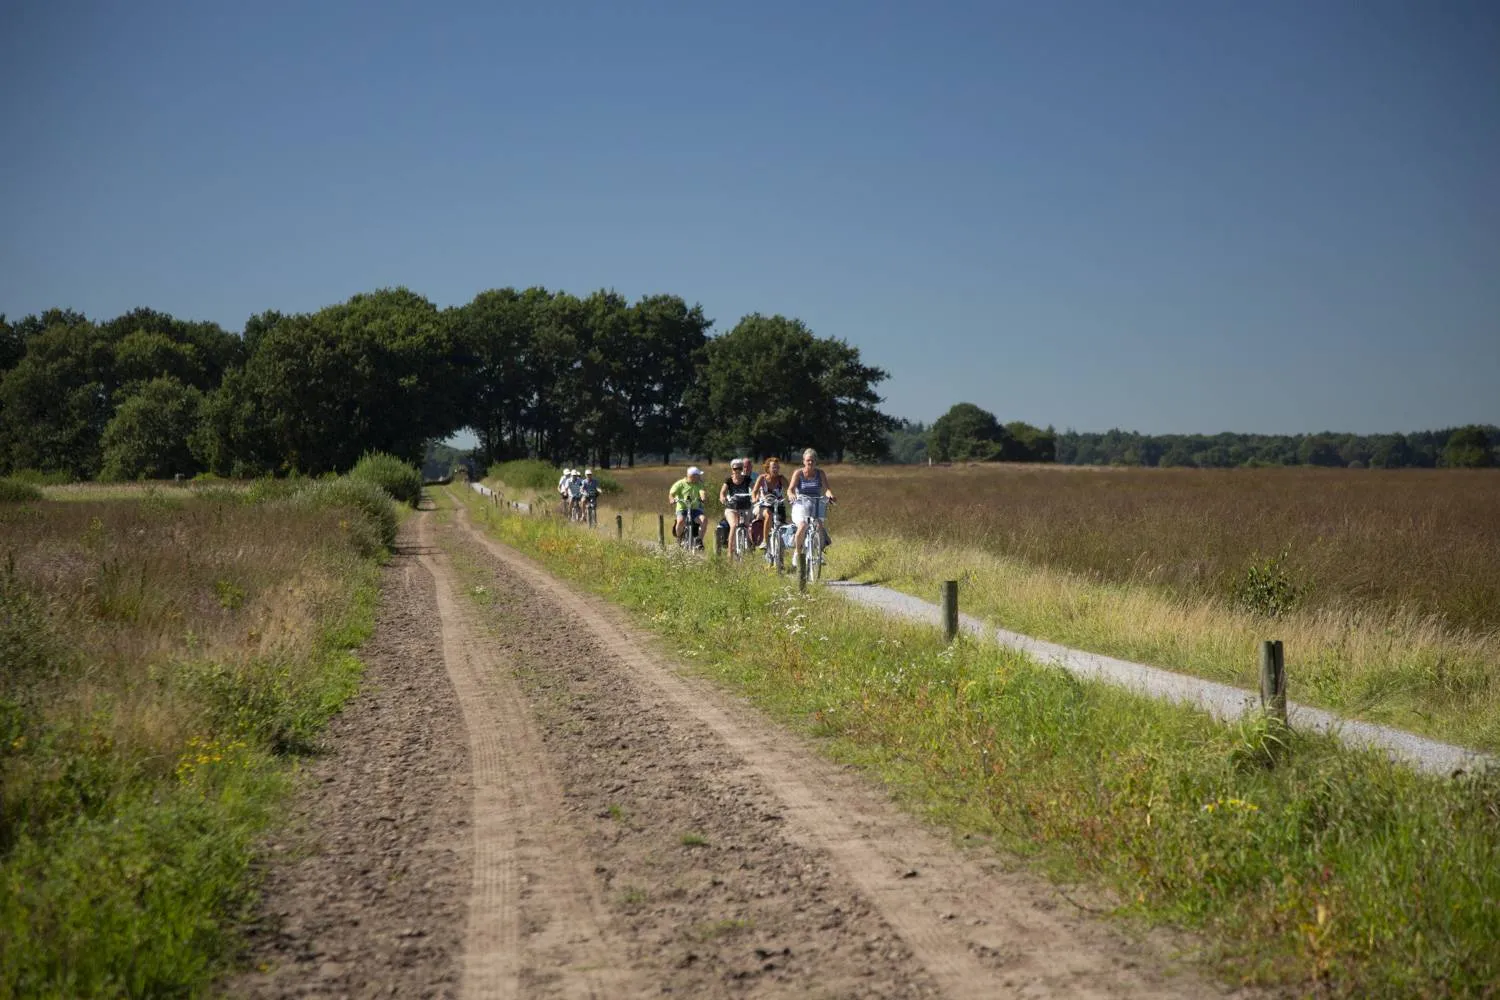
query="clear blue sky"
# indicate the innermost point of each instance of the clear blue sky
(1167, 216)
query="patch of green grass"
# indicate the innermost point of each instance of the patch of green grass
(1297, 859)
(719, 928)
(694, 840)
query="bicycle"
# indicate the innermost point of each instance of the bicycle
(591, 509)
(775, 544)
(691, 538)
(812, 537)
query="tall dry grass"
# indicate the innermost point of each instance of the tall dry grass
(1388, 599)
(160, 657)
(1421, 541)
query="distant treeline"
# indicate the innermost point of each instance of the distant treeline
(535, 373)
(1474, 446)
(967, 433)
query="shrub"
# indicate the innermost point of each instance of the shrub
(403, 482)
(15, 491)
(362, 496)
(268, 488)
(37, 477)
(534, 474)
(1267, 588)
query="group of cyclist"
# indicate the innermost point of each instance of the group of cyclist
(741, 496)
(575, 487)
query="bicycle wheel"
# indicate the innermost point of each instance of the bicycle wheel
(773, 548)
(814, 550)
(740, 542)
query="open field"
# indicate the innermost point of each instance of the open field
(1425, 542)
(164, 660)
(1301, 862)
(1386, 599)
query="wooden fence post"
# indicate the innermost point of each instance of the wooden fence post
(802, 574)
(661, 530)
(950, 610)
(619, 526)
(1273, 679)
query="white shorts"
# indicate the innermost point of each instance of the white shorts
(806, 507)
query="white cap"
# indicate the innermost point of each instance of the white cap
(693, 470)
(588, 472)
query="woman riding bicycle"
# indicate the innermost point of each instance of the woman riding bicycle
(809, 485)
(735, 495)
(770, 492)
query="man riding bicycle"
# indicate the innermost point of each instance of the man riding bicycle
(575, 494)
(687, 496)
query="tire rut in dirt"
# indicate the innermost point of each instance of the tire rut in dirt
(712, 899)
(536, 927)
(364, 890)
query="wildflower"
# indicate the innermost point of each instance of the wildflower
(1230, 805)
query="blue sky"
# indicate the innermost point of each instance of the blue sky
(1167, 216)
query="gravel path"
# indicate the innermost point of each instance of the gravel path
(1220, 700)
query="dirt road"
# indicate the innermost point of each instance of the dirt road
(532, 801)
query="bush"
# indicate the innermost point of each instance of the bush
(534, 474)
(267, 488)
(1267, 588)
(370, 501)
(403, 482)
(36, 477)
(15, 491)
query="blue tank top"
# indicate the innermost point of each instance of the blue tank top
(810, 487)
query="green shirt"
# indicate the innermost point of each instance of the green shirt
(687, 493)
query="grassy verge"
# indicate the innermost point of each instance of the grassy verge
(1393, 665)
(1389, 667)
(1299, 860)
(166, 662)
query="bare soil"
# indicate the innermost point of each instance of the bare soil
(567, 814)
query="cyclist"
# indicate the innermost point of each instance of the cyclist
(562, 482)
(590, 486)
(575, 493)
(808, 484)
(687, 496)
(770, 492)
(735, 496)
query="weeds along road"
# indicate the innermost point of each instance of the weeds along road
(629, 830)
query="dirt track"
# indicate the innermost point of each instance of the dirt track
(532, 802)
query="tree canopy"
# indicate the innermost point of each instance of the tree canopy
(535, 373)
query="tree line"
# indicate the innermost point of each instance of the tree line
(535, 373)
(967, 433)
(1472, 446)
